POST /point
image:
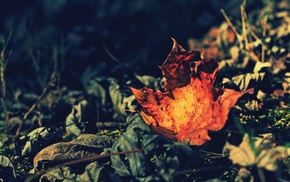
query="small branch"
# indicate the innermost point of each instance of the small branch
(8, 40)
(110, 125)
(35, 64)
(112, 56)
(247, 45)
(44, 92)
(231, 25)
(264, 26)
(212, 155)
(3, 86)
(243, 40)
(2, 76)
(244, 29)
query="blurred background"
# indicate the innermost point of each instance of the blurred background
(70, 36)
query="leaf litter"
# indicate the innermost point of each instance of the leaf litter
(218, 116)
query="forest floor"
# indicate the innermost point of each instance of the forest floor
(68, 112)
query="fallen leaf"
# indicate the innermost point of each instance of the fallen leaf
(84, 146)
(245, 81)
(81, 119)
(260, 152)
(36, 140)
(190, 105)
(134, 163)
(151, 81)
(92, 172)
(75, 122)
(160, 159)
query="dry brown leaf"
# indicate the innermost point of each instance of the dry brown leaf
(190, 105)
(83, 146)
(260, 152)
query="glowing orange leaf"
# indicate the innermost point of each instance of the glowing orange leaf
(190, 105)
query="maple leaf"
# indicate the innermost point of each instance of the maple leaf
(190, 105)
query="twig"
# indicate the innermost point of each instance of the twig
(111, 55)
(2, 76)
(212, 154)
(36, 66)
(243, 40)
(231, 25)
(244, 29)
(247, 45)
(3, 86)
(110, 125)
(44, 92)
(264, 26)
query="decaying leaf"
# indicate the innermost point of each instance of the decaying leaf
(243, 82)
(36, 140)
(244, 175)
(259, 152)
(80, 120)
(120, 101)
(84, 146)
(174, 156)
(160, 159)
(110, 97)
(75, 122)
(151, 81)
(91, 173)
(190, 105)
(131, 140)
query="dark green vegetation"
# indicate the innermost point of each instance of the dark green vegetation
(66, 66)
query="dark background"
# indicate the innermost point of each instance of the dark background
(68, 36)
